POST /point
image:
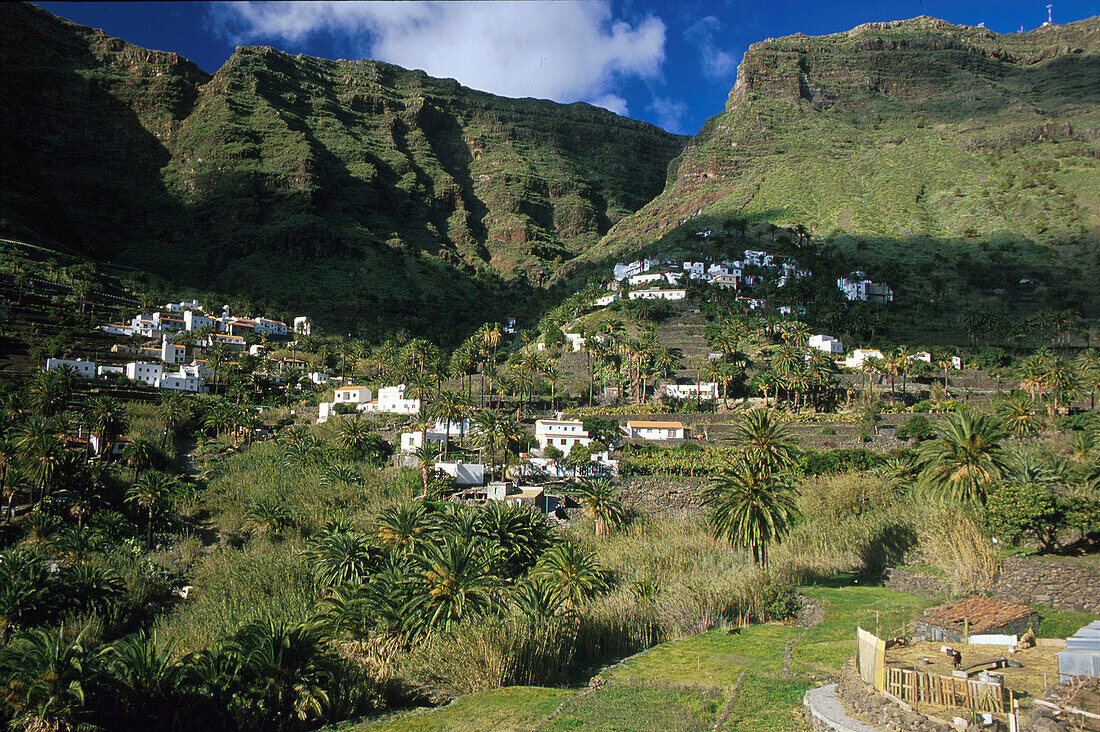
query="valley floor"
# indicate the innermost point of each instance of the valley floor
(716, 680)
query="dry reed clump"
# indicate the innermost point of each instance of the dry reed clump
(854, 522)
(234, 587)
(955, 541)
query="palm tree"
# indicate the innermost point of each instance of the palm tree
(147, 679)
(286, 671)
(174, 410)
(763, 437)
(451, 583)
(106, 419)
(401, 527)
(427, 455)
(43, 679)
(140, 454)
(150, 492)
(574, 573)
(342, 557)
(601, 504)
(450, 407)
(964, 459)
(490, 434)
(750, 506)
(1019, 418)
(353, 435)
(24, 584)
(1088, 366)
(550, 371)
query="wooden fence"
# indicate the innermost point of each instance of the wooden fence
(916, 687)
(919, 687)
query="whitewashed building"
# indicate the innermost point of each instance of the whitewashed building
(391, 400)
(181, 381)
(645, 278)
(303, 326)
(413, 441)
(825, 343)
(860, 356)
(80, 367)
(150, 373)
(605, 300)
(170, 353)
(857, 286)
(351, 394)
(705, 390)
(561, 433)
(195, 320)
(649, 430)
(657, 294)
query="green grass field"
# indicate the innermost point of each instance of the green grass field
(734, 680)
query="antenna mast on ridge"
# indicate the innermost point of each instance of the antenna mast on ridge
(1050, 16)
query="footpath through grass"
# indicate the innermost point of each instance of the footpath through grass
(732, 680)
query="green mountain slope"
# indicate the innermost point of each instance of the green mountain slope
(378, 191)
(909, 132)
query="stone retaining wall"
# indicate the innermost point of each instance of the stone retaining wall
(1052, 582)
(1055, 583)
(920, 585)
(864, 703)
(673, 497)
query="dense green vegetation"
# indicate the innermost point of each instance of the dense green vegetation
(389, 194)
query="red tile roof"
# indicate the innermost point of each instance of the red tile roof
(979, 613)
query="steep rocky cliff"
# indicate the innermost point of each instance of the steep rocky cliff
(380, 188)
(900, 131)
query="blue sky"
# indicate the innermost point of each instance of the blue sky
(669, 63)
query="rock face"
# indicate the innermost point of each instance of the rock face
(900, 130)
(358, 170)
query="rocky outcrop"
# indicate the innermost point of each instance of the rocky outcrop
(893, 130)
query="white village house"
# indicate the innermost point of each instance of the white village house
(703, 391)
(649, 430)
(657, 294)
(860, 355)
(561, 433)
(78, 365)
(857, 286)
(826, 344)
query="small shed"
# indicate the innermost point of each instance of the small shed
(1082, 655)
(974, 616)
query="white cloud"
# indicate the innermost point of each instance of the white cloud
(703, 34)
(565, 51)
(670, 114)
(612, 102)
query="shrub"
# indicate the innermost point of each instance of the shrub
(917, 428)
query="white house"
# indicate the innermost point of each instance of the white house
(117, 329)
(352, 395)
(825, 343)
(413, 441)
(391, 400)
(921, 356)
(104, 370)
(195, 320)
(181, 381)
(561, 433)
(465, 474)
(171, 353)
(606, 300)
(860, 355)
(657, 294)
(575, 340)
(759, 258)
(703, 391)
(302, 325)
(643, 278)
(150, 373)
(726, 281)
(956, 363)
(79, 366)
(179, 307)
(857, 286)
(319, 377)
(644, 430)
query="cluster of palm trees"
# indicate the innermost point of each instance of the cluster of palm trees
(1060, 380)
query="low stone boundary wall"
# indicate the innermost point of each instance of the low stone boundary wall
(1055, 583)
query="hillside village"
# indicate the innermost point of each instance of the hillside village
(433, 410)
